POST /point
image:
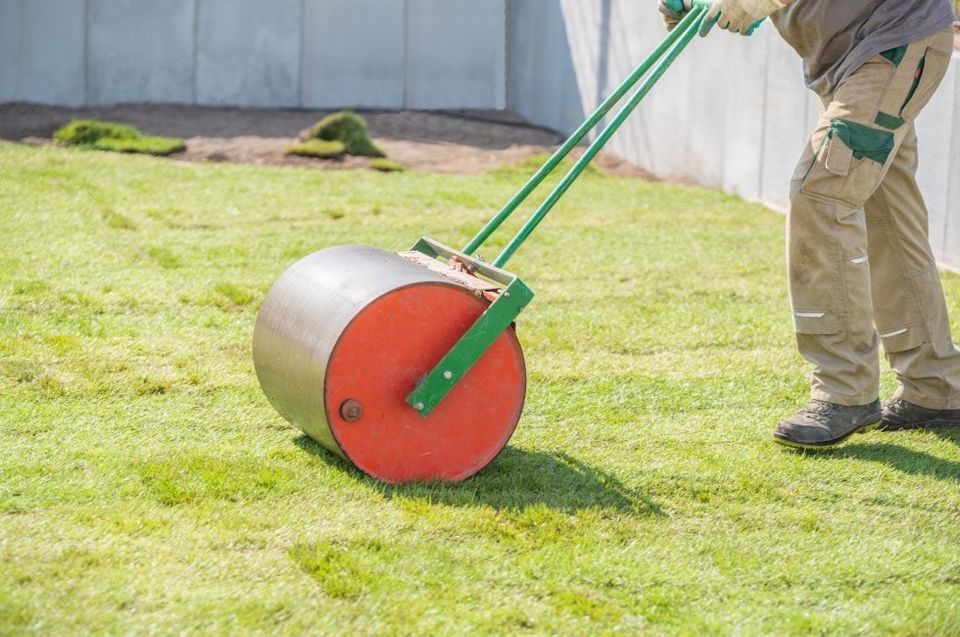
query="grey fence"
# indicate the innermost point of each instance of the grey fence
(280, 53)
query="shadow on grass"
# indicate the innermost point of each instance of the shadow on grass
(950, 435)
(516, 479)
(901, 458)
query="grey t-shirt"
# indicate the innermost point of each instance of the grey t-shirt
(835, 37)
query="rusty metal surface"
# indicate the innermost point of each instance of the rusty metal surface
(461, 278)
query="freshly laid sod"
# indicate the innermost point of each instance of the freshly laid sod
(387, 165)
(144, 145)
(318, 148)
(146, 485)
(348, 128)
(118, 138)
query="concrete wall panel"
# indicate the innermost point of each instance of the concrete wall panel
(586, 40)
(52, 62)
(951, 249)
(667, 115)
(939, 130)
(456, 54)
(140, 51)
(628, 33)
(542, 79)
(620, 53)
(351, 60)
(10, 21)
(711, 105)
(621, 22)
(786, 129)
(744, 117)
(249, 52)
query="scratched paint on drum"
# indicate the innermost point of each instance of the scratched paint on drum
(378, 360)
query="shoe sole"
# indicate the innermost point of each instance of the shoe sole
(788, 442)
(924, 424)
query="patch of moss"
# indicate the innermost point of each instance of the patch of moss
(318, 148)
(387, 166)
(145, 145)
(116, 137)
(350, 129)
(80, 132)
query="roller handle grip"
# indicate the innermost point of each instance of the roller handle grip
(685, 5)
(680, 6)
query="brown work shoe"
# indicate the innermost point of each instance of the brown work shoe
(899, 414)
(821, 424)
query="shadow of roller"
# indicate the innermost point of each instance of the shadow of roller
(516, 480)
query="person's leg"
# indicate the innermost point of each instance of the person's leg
(855, 143)
(911, 312)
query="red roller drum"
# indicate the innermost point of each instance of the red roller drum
(344, 337)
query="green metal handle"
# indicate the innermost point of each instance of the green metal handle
(707, 25)
(577, 137)
(513, 297)
(679, 6)
(687, 30)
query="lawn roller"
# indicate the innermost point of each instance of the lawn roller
(408, 365)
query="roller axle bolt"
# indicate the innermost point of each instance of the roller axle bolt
(351, 410)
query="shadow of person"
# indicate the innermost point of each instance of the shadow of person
(899, 457)
(516, 479)
(950, 435)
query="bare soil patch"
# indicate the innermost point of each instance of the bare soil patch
(468, 141)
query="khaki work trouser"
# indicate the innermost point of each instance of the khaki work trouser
(859, 257)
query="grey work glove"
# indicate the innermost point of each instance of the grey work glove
(738, 16)
(671, 12)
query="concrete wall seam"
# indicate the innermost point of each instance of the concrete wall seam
(195, 52)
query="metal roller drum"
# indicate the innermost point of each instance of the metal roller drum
(346, 334)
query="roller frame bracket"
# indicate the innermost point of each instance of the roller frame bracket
(513, 297)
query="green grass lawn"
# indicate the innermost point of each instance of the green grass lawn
(146, 485)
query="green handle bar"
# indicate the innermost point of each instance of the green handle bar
(437, 384)
(685, 32)
(681, 34)
(672, 46)
(576, 138)
(678, 6)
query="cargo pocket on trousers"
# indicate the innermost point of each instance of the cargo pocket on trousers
(929, 73)
(815, 322)
(903, 339)
(837, 157)
(851, 164)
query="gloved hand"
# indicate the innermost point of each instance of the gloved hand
(738, 16)
(672, 12)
